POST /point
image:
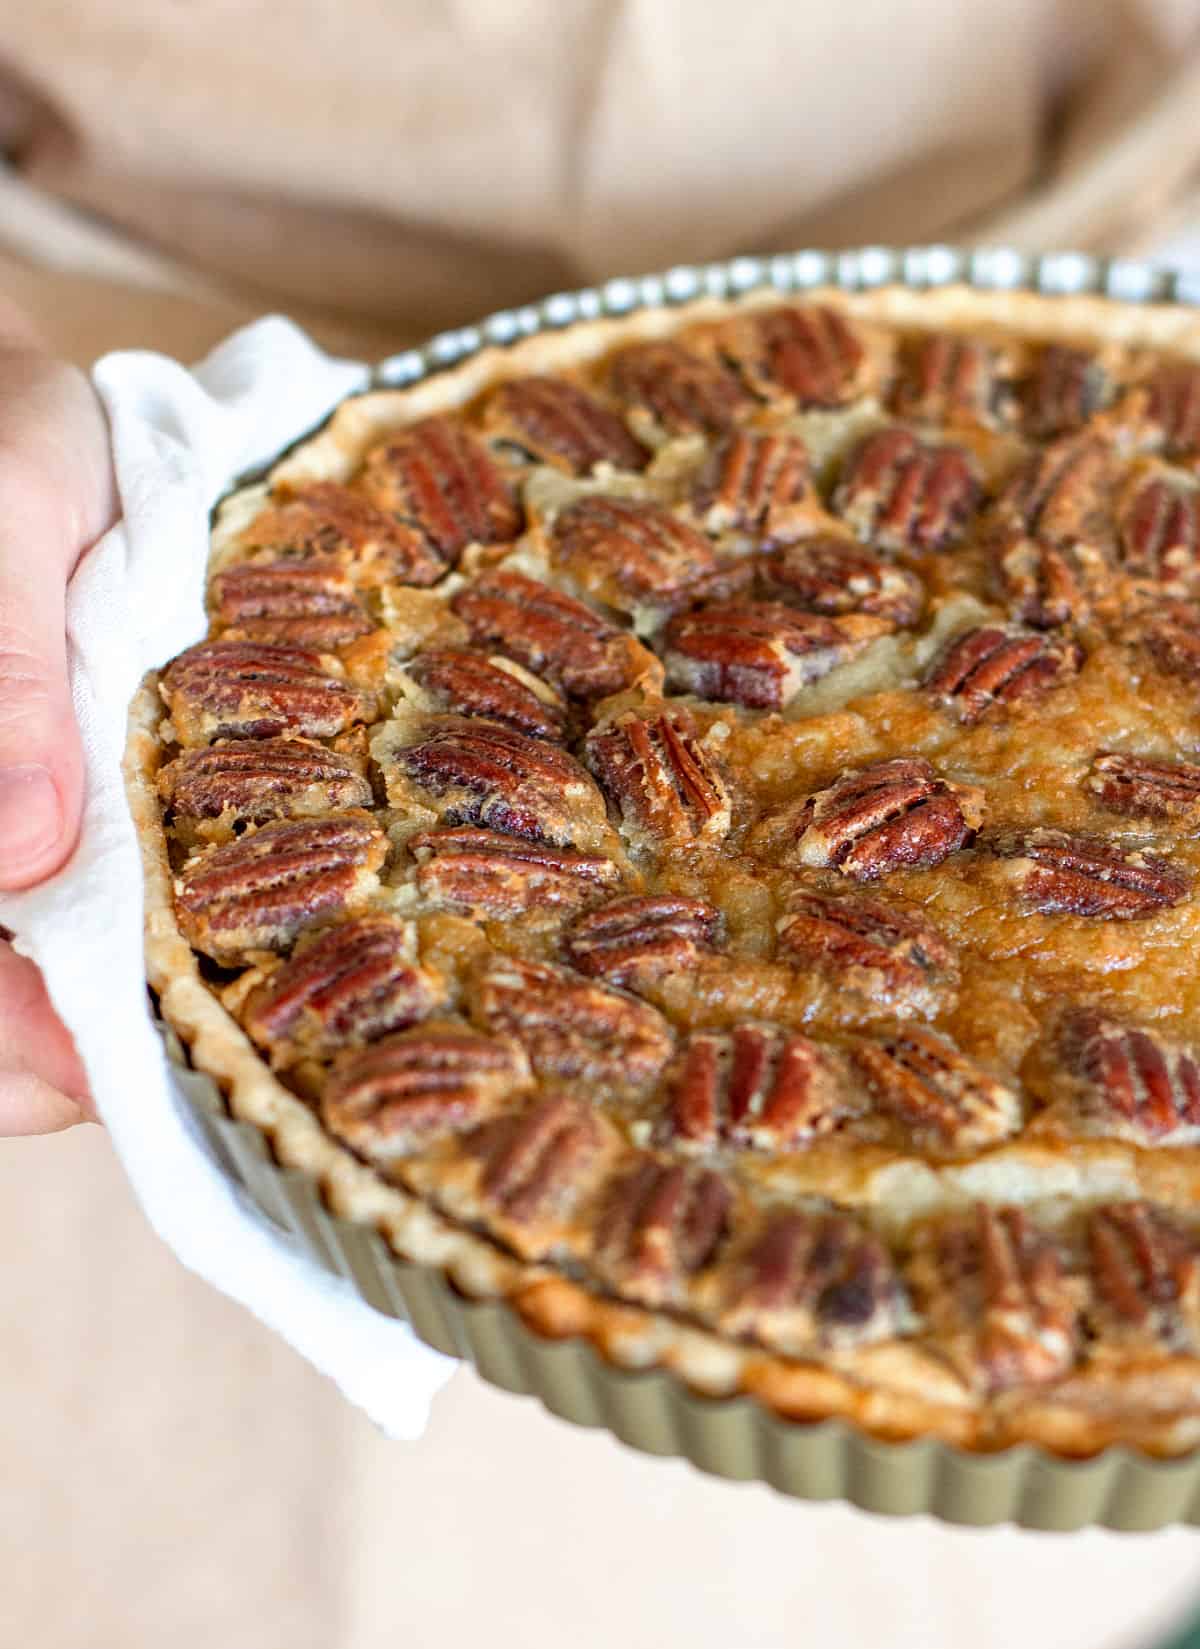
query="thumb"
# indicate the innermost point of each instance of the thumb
(56, 487)
(40, 761)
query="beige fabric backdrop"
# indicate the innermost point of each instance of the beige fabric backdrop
(411, 164)
(172, 1475)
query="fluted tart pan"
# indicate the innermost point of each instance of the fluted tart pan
(878, 1422)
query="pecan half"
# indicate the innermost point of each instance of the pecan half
(998, 665)
(642, 937)
(682, 392)
(1145, 1272)
(536, 1165)
(263, 889)
(630, 553)
(879, 950)
(553, 635)
(442, 480)
(486, 874)
(348, 985)
(946, 379)
(248, 689)
(1046, 585)
(757, 1087)
(1160, 535)
(810, 351)
(331, 522)
(1143, 788)
(388, 1100)
(556, 422)
(759, 484)
(1173, 406)
(1063, 390)
(1132, 1083)
(838, 576)
(248, 781)
(485, 774)
(471, 685)
(892, 815)
(661, 1223)
(900, 493)
(1056, 871)
(663, 783)
(814, 1280)
(1172, 637)
(302, 603)
(1059, 495)
(929, 1087)
(999, 1303)
(760, 653)
(571, 1027)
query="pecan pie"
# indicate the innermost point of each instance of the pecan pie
(692, 825)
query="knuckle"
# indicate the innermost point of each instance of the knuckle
(31, 1105)
(27, 676)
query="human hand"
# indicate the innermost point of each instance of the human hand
(58, 497)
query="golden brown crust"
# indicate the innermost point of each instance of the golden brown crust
(901, 1386)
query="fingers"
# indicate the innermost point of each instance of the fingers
(42, 1084)
(56, 483)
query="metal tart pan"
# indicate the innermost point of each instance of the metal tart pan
(654, 1411)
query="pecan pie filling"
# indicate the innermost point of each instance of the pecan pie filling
(718, 820)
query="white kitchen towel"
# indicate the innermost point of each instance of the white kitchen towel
(179, 439)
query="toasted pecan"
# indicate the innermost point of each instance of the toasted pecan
(468, 684)
(1083, 875)
(679, 390)
(630, 553)
(757, 1086)
(833, 574)
(996, 666)
(248, 781)
(327, 521)
(347, 985)
(554, 635)
(660, 778)
(640, 937)
(442, 480)
(935, 1092)
(900, 493)
(759, 484)
(811, 1281)
(247, 689)
(557, 422)
(660, 1224)
(390, 1099)
(882, 951)
(260, 891)
(1130, 1082)
(891, 815)
(491, 875)
(999, 1302)
(572, 1027)
(760, 653)
(1143, 787)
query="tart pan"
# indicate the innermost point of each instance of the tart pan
(654, 1411)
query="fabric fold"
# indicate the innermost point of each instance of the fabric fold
(180, 439)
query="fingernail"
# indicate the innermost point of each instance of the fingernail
(31, 819)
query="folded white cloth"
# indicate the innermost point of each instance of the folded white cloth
(179, 440)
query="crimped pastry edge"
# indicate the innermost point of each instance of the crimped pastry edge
(879, 1389)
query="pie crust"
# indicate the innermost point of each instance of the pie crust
(776, 971)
